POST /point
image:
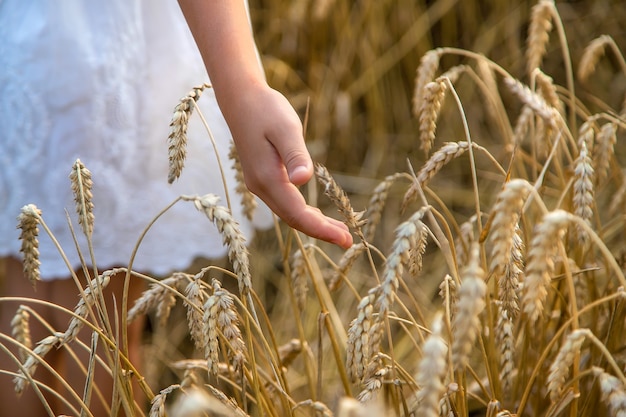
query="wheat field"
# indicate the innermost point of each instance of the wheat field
(473, 148)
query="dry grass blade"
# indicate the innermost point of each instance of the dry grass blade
(28, 223)
(466, 325)
(248, 201)
(177, 139)
(338, 196)
(539, 33)
(82, 184)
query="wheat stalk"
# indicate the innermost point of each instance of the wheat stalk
(28, 223)
(466, 325)
(177, 139)
(539, 33)
(540, 264)
(82, 184)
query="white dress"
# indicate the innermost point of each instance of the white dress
(98, 80)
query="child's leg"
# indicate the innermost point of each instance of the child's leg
(64, 292)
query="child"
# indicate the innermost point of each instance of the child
(98, 81)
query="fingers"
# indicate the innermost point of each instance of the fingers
(286, 201)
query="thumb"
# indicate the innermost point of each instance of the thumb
(299, 167)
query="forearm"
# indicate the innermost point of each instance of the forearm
(222, 32)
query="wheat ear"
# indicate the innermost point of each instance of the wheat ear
(613, 392)
(546, 87)
(82, 184)
(194, 302)
(409, 236)
(160, 296)
(299, 275)
(92, 293)
(533, 100)
(20, 330)
(177, 139)
(338, 196)
(445, 154)
(604, 151)
(540, 267)
(231, 236)
(583, 196)
(539, 33)
(34, 358)
(248, 201)
(28, 223)
(559, 370)
(157, 408)
(362, 337)
(318, 407)
(466, 325)
(431, 371)
(345, 264)
(591, 56)
(505, 339)
(425, 73)
(373, 381)
(220, 316)
(376, 204)
(432, 97)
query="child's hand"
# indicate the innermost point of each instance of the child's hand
(268, 136)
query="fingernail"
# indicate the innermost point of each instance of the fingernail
(297, 173)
